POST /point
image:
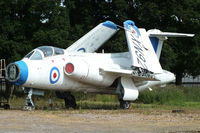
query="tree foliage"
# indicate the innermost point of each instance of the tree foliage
(27, 24)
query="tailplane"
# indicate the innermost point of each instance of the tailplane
(157, 38)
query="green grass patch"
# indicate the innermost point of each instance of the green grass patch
(166, 98)
(172, 96)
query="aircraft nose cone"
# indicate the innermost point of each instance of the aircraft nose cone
(17, 72)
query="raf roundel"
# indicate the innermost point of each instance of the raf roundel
(54, 75)
(135, 31)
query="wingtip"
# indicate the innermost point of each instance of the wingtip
(110, 24)
(191, 35)
(129, 22)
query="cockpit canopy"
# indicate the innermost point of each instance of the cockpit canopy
(43, 52)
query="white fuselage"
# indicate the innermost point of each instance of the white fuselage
(40, 72)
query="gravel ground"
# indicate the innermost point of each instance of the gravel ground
(99, 121)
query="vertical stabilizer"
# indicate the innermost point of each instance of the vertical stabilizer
(157, 44)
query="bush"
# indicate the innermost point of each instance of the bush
(171, 95)
(192, 94)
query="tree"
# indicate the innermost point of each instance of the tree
(12, 31)
(54, 24)
(179, 55)
(27, 24)
(187, 19)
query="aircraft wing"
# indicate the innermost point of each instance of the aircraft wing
(143, 57)
(126, 73)
(95, 38)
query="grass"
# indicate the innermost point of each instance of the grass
(160, 98)
(173, 96)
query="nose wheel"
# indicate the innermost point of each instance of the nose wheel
(29, 102)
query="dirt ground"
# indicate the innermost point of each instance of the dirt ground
(99, 121)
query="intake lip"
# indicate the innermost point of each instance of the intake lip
(17, 72)
(12, 72)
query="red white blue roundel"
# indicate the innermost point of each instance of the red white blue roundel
(54, 75)
(134, 30)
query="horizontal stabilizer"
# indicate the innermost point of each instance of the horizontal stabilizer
(157, 37)
(158, 33)
(95, 38)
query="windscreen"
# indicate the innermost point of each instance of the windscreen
(29, 54)
(47, 51)
(36, 56)
(58, 51)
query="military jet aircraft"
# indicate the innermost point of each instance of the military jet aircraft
(79, 68)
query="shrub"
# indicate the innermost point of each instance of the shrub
(174, 95)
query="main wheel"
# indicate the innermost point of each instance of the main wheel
(125, 104)
(28, 108)
(6, 106)
(70, 101)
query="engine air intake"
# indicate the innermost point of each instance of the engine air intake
(69, 68)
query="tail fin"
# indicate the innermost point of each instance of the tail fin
(157, 38)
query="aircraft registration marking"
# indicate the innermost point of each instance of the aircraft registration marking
(139, 51)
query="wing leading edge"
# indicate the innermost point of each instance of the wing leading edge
(95, 38)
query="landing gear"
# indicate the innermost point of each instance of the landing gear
(120, 93)
(69, 99)
(124, 104)
(6, 106)
(29, 102)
